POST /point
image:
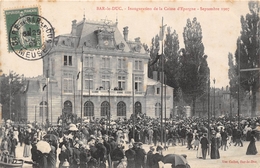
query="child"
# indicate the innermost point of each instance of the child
(196, 142)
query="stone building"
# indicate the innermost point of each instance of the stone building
(112, 67)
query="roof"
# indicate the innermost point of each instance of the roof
(90, 34)
(153, 82)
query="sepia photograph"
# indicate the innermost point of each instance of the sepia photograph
(129, 84)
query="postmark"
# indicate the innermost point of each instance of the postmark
(30, 36)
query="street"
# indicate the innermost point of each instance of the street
(234, 157)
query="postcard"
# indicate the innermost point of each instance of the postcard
(100, 63)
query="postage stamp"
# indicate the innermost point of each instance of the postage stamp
(30, 36)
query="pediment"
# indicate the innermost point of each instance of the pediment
(122, 71)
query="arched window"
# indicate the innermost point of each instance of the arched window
(67, 106)
(43, 109)
(138, 108)
(104, 109)
(121, 109)
(157, 109)
(88, 109)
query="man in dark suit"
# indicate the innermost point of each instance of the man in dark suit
(204, 145)
(130, 155)
(140, 157)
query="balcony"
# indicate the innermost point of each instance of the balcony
(112, 93)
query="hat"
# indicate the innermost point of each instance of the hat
(90, 139)
(111, 137)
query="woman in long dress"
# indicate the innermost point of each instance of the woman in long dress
(27, 144)
(214, 153)
(251, 149)
(199, 151)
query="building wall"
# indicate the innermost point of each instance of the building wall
(54, 69)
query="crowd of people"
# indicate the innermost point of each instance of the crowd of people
(96, 144)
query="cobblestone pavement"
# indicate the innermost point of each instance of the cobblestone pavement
(234, 157)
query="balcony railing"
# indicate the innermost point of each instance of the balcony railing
(112, 93)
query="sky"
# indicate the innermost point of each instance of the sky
(220, 28)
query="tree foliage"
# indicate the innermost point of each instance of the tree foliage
(186, 69)
(233, 78)
(10, 86)
(248, 47)
(194, 71)
(154, 49)
(171, 55)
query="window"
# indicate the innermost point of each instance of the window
(43, 109)
(88, 61)
(138, 83)
(105, 109)
(158, 91)
(67, 82)
(121, 109)
(67, 106)
(138, 108)
(67, 60)
(89, 82)
(157, 109)
(105, 62)
(105, 81)
(88, 109)
(121, 63)
(138, 65)
(121, 82)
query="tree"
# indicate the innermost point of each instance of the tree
(248, 47)
(10, 88)
(171, 68)
(233, 79)
(194, 70)
(154, 63)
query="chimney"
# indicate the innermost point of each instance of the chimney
(137, 40)
(155, 75)
(74, 27)
(125, 32)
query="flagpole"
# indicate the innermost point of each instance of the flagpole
(81, 98)
(109, 115)
(10, 96)
(133, 90)
(47, 91)
(162, 75)
(165, 110)
(51, 99)
(74, 94)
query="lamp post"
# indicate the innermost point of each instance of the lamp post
(208, 97)
(250, 82)
(214, 80)
(238, 69)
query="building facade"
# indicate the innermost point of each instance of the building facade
(92, 71)
(222, 103)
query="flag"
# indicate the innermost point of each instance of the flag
(161, 33)
(44, 87)
(78, 75)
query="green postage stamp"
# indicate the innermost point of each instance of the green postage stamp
(29, 35)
